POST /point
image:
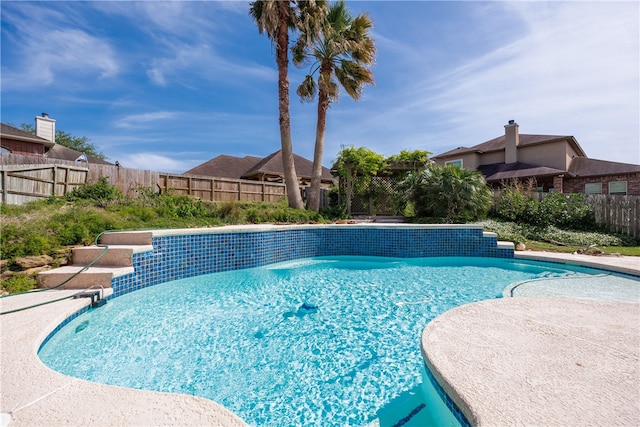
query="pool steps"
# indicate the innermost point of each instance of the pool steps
(116, 262)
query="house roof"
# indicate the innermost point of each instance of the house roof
(225, 166)
(273, 165)
(583, 167)
(10, 132)
(498, 144)
(247, 167)
(505, 171)
(65, 153)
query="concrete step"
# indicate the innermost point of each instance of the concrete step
(115, 255)
(93, 276)
(127, 238)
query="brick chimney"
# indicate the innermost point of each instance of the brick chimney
(46, 127)
(511, 142)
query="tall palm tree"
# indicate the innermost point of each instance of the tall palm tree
(276, 18)
(342, 50)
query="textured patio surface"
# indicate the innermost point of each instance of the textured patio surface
(539, 361)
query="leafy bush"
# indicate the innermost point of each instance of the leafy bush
(567, 211)
(100, 192)
(511, 204)
(554, 234)
(230, 211)
(507, 231)
(515, 203)
(18, 283)
(520, 233)
(449, 192)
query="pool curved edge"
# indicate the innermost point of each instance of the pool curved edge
(538, 361)
(33, 394)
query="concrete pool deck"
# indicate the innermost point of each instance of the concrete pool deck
(502, 343)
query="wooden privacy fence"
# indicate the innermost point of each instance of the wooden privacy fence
(20, 184)
(619, 214)
(28, 178)
(222, 189)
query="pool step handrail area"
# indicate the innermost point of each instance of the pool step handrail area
(116, 261)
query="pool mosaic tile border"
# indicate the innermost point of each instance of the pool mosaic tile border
(451, 405)
(179, 256)
(63, 324)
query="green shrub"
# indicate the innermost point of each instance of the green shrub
(566, 211)
(100, 192)
(520, 233)
(449, 192)
(18, 283)
(506, 231)
(512, 203)
(230, 211)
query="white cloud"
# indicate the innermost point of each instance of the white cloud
(569, 68)
(135, 120)
(201, 60)
(49, 52)
(154, 161)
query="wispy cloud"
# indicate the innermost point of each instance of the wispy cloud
(50, 51)
(561, 71)
(187, 60)
(153, 161)
(137, 120)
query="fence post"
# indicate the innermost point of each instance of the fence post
(3, 177)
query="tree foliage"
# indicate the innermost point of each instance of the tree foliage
(354, 161)
(341, 51)
(276, 18)
(568, 211)
(78, 143)
(449, 192)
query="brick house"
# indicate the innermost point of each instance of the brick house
(555, 162)
(42, 144)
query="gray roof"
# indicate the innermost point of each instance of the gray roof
(583, 167)
(498, 143)
(65, 153)
(505, 171)
(225, 166)
(246, 167)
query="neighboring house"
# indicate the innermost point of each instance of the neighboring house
(555, 162)
(42, 144)
(253, 168)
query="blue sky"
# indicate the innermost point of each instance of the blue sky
(169, 85)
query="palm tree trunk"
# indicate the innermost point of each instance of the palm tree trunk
(313, 201)
(282, 59)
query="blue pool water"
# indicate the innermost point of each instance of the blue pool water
(319, 341)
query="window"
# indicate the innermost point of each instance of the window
(5, 150)
(618, 188)
(593, 188)
(457, 162)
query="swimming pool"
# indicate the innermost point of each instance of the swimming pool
(315, 341)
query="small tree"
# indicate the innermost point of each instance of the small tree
(357, 166)
(449, 192)
(78, 143)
